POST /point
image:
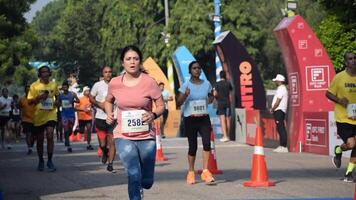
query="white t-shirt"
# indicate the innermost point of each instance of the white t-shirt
(99, 91)
(282, 94)
(5, 101)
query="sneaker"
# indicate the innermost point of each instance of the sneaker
(283, 150)
(69, 149)
(50, 166)
(277, 149)
(40, 166)
(29, 151)
(110, 167)
(207, 177)
(89, 147)
(336, 160)
(191, 177)
(224, 139)
(349, 178)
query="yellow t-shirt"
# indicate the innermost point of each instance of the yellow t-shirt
(343, 85)
(45, 110)
(27, 111)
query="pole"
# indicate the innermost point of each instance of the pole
(166, 40)
(217, 30)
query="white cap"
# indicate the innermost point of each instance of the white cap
(279, 77)
(86, 88)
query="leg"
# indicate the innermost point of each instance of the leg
(191, 133)
(279, 117)
(50, 141)
(112, 151)
(205, 131)
(147, 152)
(223, 125)
(130, 158)
(88, 128)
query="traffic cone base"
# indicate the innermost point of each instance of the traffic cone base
(160, 156)
(212, 164)
(259, 184)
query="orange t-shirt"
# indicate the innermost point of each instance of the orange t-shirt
(82, 105)
(27, 111)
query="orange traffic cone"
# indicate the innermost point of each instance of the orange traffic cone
(259, 176)
(159, 151)
(79, 137)
(212, 164)
(72, 137)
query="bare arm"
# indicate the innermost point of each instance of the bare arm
(276, 104)
(182, 97)
(96, 103)
(337, 100)
(150, 116)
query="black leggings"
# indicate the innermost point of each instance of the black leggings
(193, 125)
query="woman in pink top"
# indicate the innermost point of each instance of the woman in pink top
(133, 92)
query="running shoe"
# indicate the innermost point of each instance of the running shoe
(207, 177)
(337, 158)
(110, 167)
(69, 149)
(190, 178)
(224, 139)
(89, 147)
(141, 193)
(50, 166)
(29, 151)
(349, 178)
(40, 166)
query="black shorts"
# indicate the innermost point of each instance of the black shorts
(82, 124)
(15, 118)
(4, 120)
(40, 129)
(103, 126)
(27, 127)
(345, 130)
(223, 110)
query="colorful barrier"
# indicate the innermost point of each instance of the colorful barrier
(309, 72)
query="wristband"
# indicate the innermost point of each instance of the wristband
(155, 116)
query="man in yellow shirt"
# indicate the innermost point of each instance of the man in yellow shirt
(44, 95)
(342, 91)
(27, 112)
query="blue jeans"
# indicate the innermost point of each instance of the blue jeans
(138, 158)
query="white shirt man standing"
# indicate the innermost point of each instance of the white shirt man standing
(279, 109)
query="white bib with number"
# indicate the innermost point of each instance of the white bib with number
(198, 107)
(46, 104)
(16, 111)
(131, 121)
(351, 110)
(66, 104)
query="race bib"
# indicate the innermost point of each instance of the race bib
(351, 110)
(66, 104)
(16, 111)
(198, 107)
(131, 121)
(46, 104)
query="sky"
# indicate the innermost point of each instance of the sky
(37, 6)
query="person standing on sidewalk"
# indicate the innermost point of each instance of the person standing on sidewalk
(342, 92)
(222, 94)
(66, 102)
(166, 97)
(196, 94)
(279, 110)
(44, 95)
(105, 131)
(134, 92)
(27, 112)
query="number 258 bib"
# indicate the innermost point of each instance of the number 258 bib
(46, 104)
(131, 121)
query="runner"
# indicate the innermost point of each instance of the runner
(27, 112)
(66, 102)
(104, 131)
(15, 120)
(85, 115)
(342, 91)
(44, 95)
(196, 94)
(134, 92)
(5, 108)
